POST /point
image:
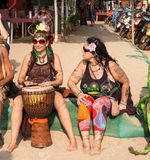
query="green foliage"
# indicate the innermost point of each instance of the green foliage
(74, 20)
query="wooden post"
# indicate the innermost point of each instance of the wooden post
(62, 18)
(66, 10)
(132, 3)
(56, 21)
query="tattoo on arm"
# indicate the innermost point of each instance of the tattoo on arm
(75, 75)
(121, 74)
(127, 92)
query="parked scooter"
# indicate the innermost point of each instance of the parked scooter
(137, 19)
(145, 40)
(109, 17)
(141, 29)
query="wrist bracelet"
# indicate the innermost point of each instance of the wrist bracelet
(123, 102)
(79, 93)
(1, 85)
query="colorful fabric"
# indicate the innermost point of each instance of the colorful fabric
(95, 110)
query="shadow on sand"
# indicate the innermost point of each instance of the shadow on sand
(81, 33)
(98, 30)
(4, 155)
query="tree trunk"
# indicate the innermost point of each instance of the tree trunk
(62, 18)
(66, 10)
(56, 21)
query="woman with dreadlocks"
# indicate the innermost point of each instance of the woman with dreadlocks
(101, 82)
(42, 67)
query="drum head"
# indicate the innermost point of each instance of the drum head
(37, 88)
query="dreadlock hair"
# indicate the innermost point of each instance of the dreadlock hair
(33, 60)
(101, 52)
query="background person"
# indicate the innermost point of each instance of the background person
(83, 12)
(4, 34)
(9, 90)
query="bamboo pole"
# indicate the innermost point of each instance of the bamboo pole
(56, 21)
(132, 3)
(62, 18)
(66, 10)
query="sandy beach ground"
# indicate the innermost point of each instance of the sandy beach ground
(70, 52)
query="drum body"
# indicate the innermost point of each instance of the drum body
(38, 103)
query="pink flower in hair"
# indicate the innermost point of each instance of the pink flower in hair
(91, 47)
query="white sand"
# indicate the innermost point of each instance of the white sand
(70, 53)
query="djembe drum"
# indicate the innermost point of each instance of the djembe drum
(38, 103)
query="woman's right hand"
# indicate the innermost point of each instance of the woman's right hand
(30, 83)
(81, 98)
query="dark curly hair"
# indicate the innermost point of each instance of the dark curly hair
(101, 52)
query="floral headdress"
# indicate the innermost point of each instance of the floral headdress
(91, 47)
(34, 28)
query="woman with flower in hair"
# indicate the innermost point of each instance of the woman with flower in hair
(104, 89)
(42, 67)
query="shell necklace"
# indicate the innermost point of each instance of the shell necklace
(42, 59)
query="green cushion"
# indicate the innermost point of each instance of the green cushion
(123, 126)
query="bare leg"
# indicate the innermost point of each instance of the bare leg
(98, 136)
(16, 119)
(60, 106)
(1, 112)
(86, 141)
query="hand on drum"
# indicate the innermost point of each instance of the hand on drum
(48, 83)
(30, 83)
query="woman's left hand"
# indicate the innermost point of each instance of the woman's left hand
(122, 106)
(48, 83)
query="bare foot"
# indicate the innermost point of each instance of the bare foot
(72, 146)
(86, 147)
(96, 148)
(11, 147)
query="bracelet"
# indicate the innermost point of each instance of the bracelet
(123, 102)
(112, 98)
(1, 86)
(79, 93)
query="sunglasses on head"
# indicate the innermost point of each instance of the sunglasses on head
(42, 12)
(86, 50)
(41, 41)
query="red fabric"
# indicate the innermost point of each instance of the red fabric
(19, 20)
(18, 6)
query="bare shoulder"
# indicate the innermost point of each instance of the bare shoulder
(4, 52)
(112, 64)
(3, 49)
(27, 57)
(82, 64)
(56, 56)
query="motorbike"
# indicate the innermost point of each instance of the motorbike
(109, 17)
(145, 40)
(141, 29)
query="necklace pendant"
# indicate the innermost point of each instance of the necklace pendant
(41, 59)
